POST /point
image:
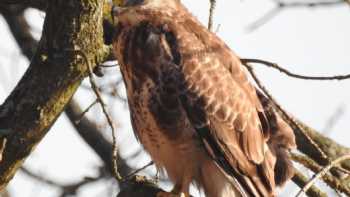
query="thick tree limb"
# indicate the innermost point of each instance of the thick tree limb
(31, 109)
(14, 16)
(86, 128)
(38, 4)
(89, 131)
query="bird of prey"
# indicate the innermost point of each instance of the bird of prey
(192, 106)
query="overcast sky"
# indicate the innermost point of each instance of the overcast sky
(305, 41)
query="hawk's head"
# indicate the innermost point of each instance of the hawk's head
(134, 11)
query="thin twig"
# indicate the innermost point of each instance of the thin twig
(285, 71)
(85, 111)
(301, 180)
(290, 120)
(322, 173)
(40, 178)
(283, 5)
(211, 14)
(127, 177)
(67, 189)
(109, 66)
(2, 147)
(105, 112)
(312, 165)
(314, 4)
(333, 119)
(332, 180)
(263, 20)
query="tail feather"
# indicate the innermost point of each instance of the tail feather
(281, 140)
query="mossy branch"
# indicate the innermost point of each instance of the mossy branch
(51, 79)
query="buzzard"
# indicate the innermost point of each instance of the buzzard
(192, 106)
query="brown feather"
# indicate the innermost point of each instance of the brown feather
(182, 79)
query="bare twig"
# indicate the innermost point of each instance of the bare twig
(110, 64)
(40, 178)
(85, 111)
(105, 112)
(300, 4)
(67, 189)
(138, 170)
(322, 173)
(283, 5)
(211, 14)
(301, 181)
(285, 71)
(312, 165)
(338, 184)
(333, 119)
(2, 146)
(288, 118)
(264, 19)
(91, 133)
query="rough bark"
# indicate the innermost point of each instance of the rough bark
(55, 73)
(53, 76)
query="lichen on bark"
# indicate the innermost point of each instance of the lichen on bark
(49, 83)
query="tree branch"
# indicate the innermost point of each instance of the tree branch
(290, 74)
(301, 181)
(38, 4)
(88, 130)
(338, 184)
(211, 14)
(283, 5)
(14, 16)
(322, 172)
(92, 135)
(52, 78)
(67, 189)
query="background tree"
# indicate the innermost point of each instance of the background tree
(75, 36)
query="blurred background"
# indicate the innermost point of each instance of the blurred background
(310, 39)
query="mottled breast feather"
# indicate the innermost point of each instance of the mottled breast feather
(197, 72)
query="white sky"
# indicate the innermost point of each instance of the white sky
(306, 41)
